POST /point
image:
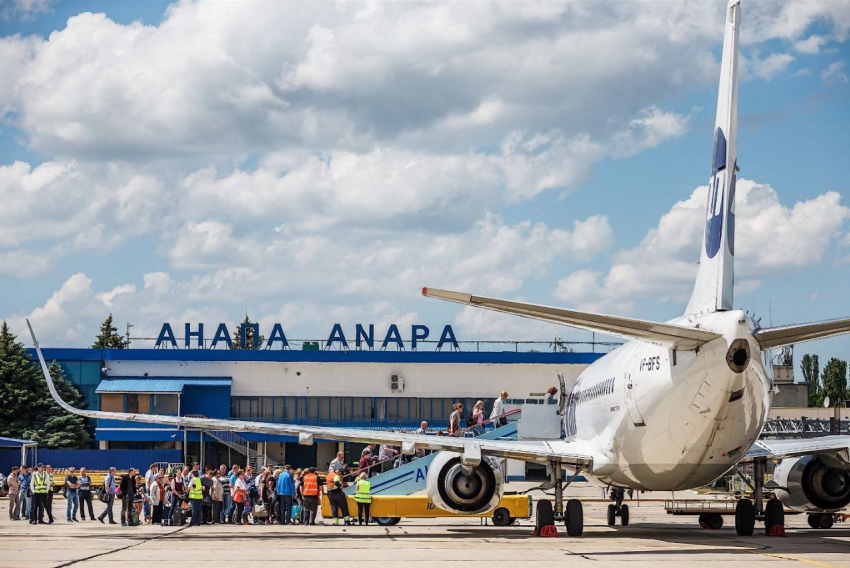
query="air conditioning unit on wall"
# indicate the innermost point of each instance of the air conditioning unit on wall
(396, 383)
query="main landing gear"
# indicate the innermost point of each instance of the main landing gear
(747, 512)
(572, 516)
(617, 509)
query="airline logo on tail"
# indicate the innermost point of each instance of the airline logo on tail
(714, 207)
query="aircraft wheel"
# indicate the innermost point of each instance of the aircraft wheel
(745, 517)
(825, 521)
(711, 521)
(624, 515)
(545, 515)
(612, 515)
(774, 514)
(813, 521)
(502, 517)
(574, 518)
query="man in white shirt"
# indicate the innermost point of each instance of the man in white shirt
(423, 428)
(338, 463)
(150, 474)
(498, 414)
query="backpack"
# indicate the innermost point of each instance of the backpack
(470, 420)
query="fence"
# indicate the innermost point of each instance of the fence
(92, 459)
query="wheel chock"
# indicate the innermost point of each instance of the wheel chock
(776, 530)
(548, 531)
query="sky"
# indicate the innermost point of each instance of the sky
(318, 163)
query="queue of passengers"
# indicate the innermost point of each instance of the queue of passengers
(227, 496)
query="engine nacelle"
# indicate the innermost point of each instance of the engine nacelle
(812, 484)
(458, 489)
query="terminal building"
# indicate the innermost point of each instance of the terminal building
(371, 389)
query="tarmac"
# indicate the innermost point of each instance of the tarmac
(652, 539)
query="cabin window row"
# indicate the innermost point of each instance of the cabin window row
(281, 408)
(600, 389)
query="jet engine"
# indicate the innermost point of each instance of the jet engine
(457, 488)
(813, 483)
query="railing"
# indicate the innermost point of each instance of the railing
(802, 427)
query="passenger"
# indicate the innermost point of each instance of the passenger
(14, 483)
(149, 476)
(338, 463)
(365, 459)
(285, 495)
(139, 500)
(455, 420)
(128, 493)
(217, 494)
(157, 498)
(25, 492)
(178, 494)
(267, 498)
(109, 489)
(363, 498)
(423, 428)
(85, 494)
(298, 507)
(206, 506)
(72, 496)
(312, 492)
(550, 396)
(240, 495)
(478, 418)
(387, 456)
(497, 415)
(227, 500)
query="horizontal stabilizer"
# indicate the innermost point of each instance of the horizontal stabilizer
(798, 333)
(685, 338)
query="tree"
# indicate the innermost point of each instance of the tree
(108, 337)
(21, 386)
(811, 374)
(26, 408)
(61, 429)
(249, 336)
(835, 381)
(559, 345)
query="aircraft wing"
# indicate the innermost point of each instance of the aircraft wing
(471, 449)
(779, 449)
(797, 333)
(680, 337)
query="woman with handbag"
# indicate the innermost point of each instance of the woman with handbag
(240, 496)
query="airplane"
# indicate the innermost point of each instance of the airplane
(676, 407)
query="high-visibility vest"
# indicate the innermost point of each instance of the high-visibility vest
(363, 494)
(331, 480)
(39, 482)
(310, 485)
(196, 489)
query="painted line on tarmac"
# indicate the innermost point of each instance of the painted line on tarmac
(795, 558)
(99, 554)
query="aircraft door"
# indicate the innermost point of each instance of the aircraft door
(631, 403)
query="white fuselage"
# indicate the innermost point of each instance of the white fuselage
(658, 419)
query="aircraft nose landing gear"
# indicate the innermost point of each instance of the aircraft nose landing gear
(618, 509)
(572, 516)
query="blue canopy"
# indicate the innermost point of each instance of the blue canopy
(15, 442)
(158, 384)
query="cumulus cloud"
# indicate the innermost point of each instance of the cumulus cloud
(811, 45)
(770, 238)
(24, 9)
(834, 73)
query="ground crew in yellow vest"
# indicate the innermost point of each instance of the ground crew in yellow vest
(336, 497)
(196, 498)
(39, 495)
(363, 497)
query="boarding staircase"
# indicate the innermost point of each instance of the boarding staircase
(410, 478)
(251, 450)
